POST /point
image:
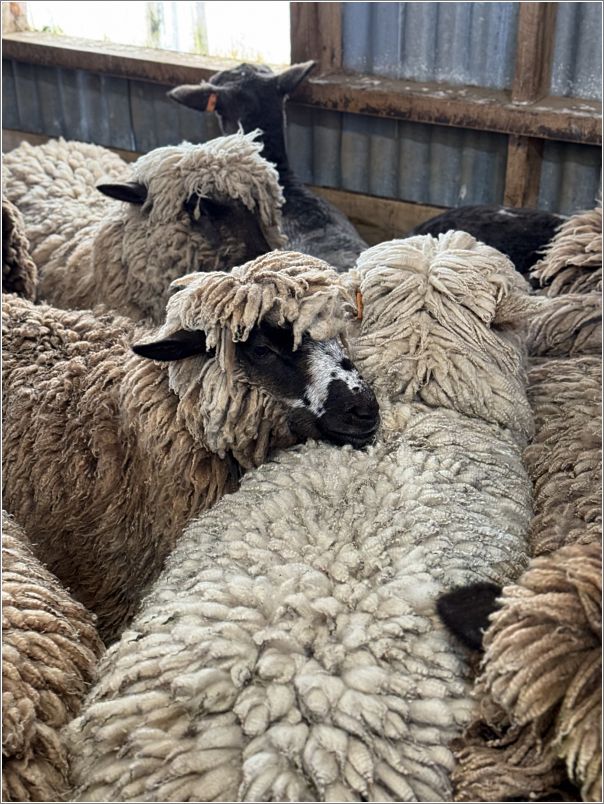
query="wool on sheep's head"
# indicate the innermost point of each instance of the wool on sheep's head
(572, 262)
(443, 324)
(296, 294)
(189, 208)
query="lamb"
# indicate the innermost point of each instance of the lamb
(121, 451)
(19, 273)
(252, 96)
(290, 650)
(572, 262)
(183, 209)
(49, 653)
(521, 233)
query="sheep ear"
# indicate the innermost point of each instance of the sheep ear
(181, 344)
(289, 79)
(131, 191)
(465, 611)
(201, 96)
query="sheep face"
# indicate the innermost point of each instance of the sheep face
(317, 387)
(190, 208)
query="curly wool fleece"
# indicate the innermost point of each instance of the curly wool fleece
(19, 273)
(573, 260)
(49, 653)
(138, 447)
(126, 255)
(291, 649)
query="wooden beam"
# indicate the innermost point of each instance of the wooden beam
(534, 53)
(316, 33)
(568, 119)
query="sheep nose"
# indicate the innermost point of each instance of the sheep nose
(363, 408)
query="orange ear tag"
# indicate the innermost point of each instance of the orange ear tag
(212, 102)
(359, 298)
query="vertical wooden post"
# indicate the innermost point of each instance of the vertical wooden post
(316, 33)
(534, 51)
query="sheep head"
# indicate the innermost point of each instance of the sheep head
(442, 325)
(268, 367)
(189, 208)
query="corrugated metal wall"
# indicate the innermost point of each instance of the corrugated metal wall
(458, 43)
(435, 165)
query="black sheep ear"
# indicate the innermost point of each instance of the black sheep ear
(289, 79)
(202, 97)
(465, 611)
(181, 344)
(131, 191)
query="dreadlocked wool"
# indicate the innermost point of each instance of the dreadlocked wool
(291, 650)
(49, 653)
(540, 690)
(573, 260)
(565, 326)
(120, 450)
(125, 255)
(19, 273)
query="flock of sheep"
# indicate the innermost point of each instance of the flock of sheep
(240, 482)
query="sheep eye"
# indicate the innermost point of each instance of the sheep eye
(261, 351)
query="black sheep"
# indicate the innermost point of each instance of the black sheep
(254, 97)
(519, 232)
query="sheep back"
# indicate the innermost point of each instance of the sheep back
(49, 652)
(565, 326)
(573, 260)
(19, 273)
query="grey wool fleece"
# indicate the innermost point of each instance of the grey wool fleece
(291, 649)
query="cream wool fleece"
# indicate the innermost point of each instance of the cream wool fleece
(291, 649)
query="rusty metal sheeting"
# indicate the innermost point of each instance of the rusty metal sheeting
(456, 43)
(577, 64)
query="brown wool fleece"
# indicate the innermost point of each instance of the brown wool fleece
(19, 273)
(50, 648)
(573, 260)
(137, 447)
(540, 691)
(566, 326)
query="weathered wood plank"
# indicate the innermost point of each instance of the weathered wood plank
(567, 119)
(523, 172)
(316, 33)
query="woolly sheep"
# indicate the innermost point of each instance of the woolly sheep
(290, 650)
(19, 273)
(521, 233)
(184, 209)
(121, 451)
(565, 326)
(541, 689)
(49, 653)
(252, 96)
(572, 262)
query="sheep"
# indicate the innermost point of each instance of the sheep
(569, 325)
(50, 650)
(290, 650)
(122, 450)
(183, 209)
(521, 233)
(19, 273)
(541, 688)
(252, 96)
(572, 262)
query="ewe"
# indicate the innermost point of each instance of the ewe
(183, 209)
(50, 649)
(252, 96)
(19, 273)
(120, 451)
(290, 649)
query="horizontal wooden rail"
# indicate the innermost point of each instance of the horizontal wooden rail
(555, 118)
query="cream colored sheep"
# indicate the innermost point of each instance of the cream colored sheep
(50, 648)
(182, 209)
(120, 451)
(291, 651)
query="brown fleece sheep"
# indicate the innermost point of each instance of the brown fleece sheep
(565, 326)
(50, 649)
(573, 260)
(19, 273)
(540, 692)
